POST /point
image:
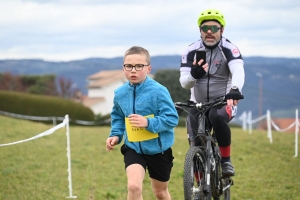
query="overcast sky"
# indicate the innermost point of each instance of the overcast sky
(64, 30)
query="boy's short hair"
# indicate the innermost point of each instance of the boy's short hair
(138, 50)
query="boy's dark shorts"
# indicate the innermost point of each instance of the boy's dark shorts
(159, 165)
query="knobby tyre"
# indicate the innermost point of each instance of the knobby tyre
(193, 180)
(216, 175)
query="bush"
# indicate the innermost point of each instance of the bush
(43, 106)
(182, 121)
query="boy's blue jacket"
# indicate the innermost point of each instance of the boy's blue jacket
(148, 97)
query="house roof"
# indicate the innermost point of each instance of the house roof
(106, 77)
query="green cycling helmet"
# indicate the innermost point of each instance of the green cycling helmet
(211, 14)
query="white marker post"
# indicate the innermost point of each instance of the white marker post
(69, 159)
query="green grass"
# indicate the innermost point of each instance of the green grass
(37, 170)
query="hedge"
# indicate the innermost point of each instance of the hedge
(43, 106)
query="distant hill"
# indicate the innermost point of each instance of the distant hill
(281, 78)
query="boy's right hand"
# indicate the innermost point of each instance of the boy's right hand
(110, 142)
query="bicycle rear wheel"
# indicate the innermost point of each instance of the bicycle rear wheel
(194, 171)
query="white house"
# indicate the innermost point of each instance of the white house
(101, 88)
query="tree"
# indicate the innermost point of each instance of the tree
(65, 88)
(39, 84)
(44, 84)
(34, 84)
(170, 79)
(11, 82)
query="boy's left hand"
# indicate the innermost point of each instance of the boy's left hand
(138, 121)
(110, 142)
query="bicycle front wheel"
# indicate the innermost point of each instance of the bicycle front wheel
(194, 171)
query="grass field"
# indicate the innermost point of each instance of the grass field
(37, 170)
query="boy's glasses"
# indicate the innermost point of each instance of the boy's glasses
(137, 67)
(213, 28)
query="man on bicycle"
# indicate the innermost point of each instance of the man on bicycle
(221, 75)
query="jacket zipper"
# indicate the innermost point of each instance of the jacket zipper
(134, 90)
(208, 77)
(134, 87)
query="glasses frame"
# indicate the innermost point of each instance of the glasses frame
(134, 66)
(213, 28)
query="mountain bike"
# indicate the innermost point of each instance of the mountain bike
(202, 166)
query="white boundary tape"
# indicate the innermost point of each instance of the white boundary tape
(247, 120)
(54, 119)
(48, 132)
(65, 123)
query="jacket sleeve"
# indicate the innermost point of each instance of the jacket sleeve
(236, 68)
(186, 80)
(167, 117)
(117, 122)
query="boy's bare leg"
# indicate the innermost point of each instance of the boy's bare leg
(160, 189)
(135, 176)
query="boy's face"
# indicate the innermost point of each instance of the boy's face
(134, 76)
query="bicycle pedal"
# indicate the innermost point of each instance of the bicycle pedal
(231, 181)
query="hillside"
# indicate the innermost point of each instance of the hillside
(281, 77)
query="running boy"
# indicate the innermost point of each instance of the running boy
(145, 115)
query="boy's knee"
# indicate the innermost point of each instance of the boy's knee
(134, 189)
(162, 194)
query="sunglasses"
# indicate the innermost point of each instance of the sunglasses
(137, 67)
(213, 28)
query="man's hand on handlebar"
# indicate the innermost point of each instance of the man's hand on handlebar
(233, 97)
(231, 102)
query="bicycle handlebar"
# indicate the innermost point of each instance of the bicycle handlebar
(221, 101)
